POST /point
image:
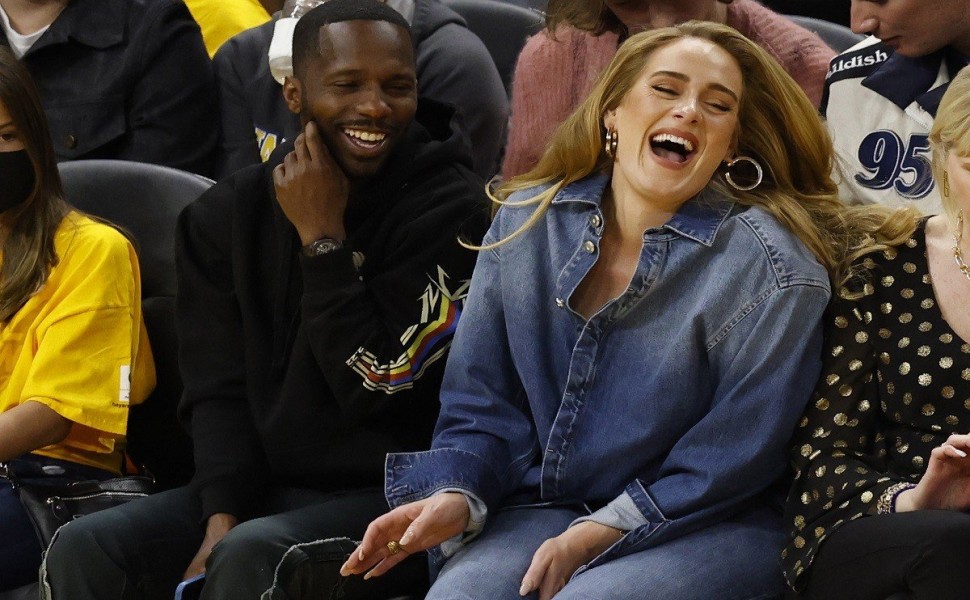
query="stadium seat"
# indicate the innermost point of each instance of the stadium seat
(145, 200)
(502, 27)
(838, 37)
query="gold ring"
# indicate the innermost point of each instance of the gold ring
(393, 547)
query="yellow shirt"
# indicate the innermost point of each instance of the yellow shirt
(79, 344)
(222, 19)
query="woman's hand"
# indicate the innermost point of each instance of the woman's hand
(558, 558)
(946, 483)
(416, 526)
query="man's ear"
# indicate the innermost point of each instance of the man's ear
(293, 94)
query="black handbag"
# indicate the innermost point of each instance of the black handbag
(50, 505)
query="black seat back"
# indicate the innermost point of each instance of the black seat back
(145, 200)
(838, 37)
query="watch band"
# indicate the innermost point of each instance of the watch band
(324, 245)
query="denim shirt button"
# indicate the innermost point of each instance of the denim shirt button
(589, 246)
(560, 302)
(595, 220)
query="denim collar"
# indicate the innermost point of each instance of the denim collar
(698, 219)
(903, 80)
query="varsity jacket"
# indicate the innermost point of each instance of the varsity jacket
(880, 108)
(307, 371)
(453, 67)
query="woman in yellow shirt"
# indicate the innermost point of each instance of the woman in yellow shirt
(73, 350)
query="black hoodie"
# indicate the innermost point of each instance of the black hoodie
(307, 371)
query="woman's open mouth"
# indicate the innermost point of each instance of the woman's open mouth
(672, 147)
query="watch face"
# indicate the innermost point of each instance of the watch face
(322, 246)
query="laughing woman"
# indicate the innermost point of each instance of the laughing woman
(73, 350)
(640, 337)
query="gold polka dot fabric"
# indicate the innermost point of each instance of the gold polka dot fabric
(895, 383)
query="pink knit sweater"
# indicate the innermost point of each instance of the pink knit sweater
(552, 77)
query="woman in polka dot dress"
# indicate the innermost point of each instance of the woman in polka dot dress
(882, 491)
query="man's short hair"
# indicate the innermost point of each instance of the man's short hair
(306, 35)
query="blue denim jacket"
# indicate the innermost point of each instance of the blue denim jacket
(679, 397)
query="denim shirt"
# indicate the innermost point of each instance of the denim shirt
(678, 397)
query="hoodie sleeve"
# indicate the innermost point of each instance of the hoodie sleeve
(376, 329)
(229, 464)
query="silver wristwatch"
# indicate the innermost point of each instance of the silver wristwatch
(324, 245)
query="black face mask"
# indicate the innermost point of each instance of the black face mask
(16, 178)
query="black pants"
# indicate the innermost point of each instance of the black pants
(925, 553)
(140, 551)
(19, 548)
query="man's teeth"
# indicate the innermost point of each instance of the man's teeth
(366, 136)
(668, 137)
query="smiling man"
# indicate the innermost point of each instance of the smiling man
(881, 97)
(318, 294)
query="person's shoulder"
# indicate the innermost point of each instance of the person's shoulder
(430, 17)
(520, 205)
(146, 11)
(759, 234)
(896, 258)
(858, 61)
(252, 43)
(236, 199)
(248, 184)
(762, 22)
(563, 41)
(80, 239)
(788, 41)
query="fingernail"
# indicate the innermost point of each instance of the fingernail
(367, 575)
(344, 571)
(960, 452)
(526, 588)
(360, 554)
(406, 538)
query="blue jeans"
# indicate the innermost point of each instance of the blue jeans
(737, 559)
(19, 548)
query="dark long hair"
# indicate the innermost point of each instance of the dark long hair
(28, 251)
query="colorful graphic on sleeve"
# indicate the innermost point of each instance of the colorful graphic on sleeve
(424, 342)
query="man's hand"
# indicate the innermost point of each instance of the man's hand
(311, 189)
(946, 483)
(558, 558)
(216, 528)
(416, 526)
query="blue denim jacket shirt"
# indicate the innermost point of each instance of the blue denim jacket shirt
(679, 397)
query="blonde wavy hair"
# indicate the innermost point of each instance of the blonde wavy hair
(777, 125)
(951, 133)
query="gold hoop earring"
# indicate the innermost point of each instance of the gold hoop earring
(612, 141)
(946, 184)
